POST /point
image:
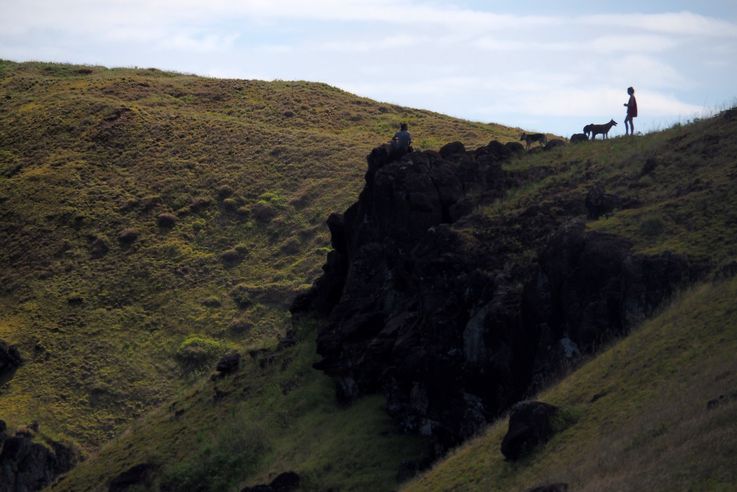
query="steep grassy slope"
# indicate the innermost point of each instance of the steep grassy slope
(651, 389)
(276, 414)
(641, 406)
(151, 221)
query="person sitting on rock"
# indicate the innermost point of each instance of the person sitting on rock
(402, 141)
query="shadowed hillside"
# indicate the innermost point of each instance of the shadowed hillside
(152, 221)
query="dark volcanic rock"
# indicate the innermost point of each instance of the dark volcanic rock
(284, 482)
(556, 142)
(137, 475)
(10, 360)
(448, 323)
(451, 149)
(28, 466)
(530, 424)
(551, 487)
(578, 138)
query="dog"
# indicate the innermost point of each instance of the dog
(587, 130)
(529, 138)
(600, 129)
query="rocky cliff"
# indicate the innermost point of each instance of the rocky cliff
(453, 315)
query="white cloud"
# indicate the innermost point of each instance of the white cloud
(476, 63)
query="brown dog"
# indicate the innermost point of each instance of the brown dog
(528, 138)
(601, 129)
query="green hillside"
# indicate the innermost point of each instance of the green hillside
(152, 221)
(642, 421)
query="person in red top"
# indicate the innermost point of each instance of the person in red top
(631, 112)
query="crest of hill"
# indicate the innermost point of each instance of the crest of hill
(152, 221)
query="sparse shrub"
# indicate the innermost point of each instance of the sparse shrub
(231, 257)
(241, 295)
(211, 301)
(99, 247)
(652, 227)
(244, 211)
(224, 192)
(199, 351)
(291, 246)
(75, 299)
(242, 248)
(166, 221)
(240, 327)
(227, 454)
(128, 236)
(199, 204)
(230, 204)
(263, 212)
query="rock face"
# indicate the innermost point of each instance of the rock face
(10, 360)
(450, 322)
(27, 466)
(530, 425)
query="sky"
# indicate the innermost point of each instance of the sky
(544, 66)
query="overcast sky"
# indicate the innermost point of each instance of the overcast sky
(548, 66)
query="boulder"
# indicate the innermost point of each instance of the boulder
(554, 143)
(99, 247)
(26, 465)
(451, 149)
(530, 425)
(10, 360)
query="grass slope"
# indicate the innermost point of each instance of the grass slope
(276, 414)
(247, 170)
(652, 385)
(641, 406)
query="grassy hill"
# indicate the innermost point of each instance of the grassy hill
(152, 221)
(248, 171)
(644, 420)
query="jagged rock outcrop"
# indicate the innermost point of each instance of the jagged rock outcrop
(450, 322)
(26, 465)
(10, 360)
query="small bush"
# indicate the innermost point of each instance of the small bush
(230, 204)
(231, 257)
(166, 221)
(199, 204)
(224, 192)
(652, 227)
(263, 212)
(211, 301)
(198, 351)
(241, 295)
(128, 236)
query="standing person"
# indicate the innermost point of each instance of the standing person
(631, 112)
(402, 140)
